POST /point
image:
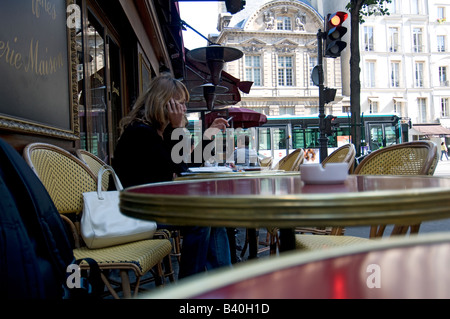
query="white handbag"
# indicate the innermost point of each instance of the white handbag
(102, 223)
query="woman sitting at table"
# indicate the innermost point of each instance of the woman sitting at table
(144, 155)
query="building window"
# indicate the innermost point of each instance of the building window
(313, 109)
(419, 75)
(441, 14)
(284, 23)
(417, 40)
(444, 107)
(395, 74)
(373, 106)
(370, 74)
(414, 6)
(287, 110)
(368, 38)
(443, 76)
(100, 92)
(441, 43)
(397, 106)
(422, 106)
(285, 71)
(253, 69)
(312, 64)
(393, 40)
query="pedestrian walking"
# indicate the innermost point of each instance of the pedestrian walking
(444, 150)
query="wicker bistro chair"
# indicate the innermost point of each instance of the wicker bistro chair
(291, 162)
(95, 163)
(66, 178)
(410, 158)
(345, 153)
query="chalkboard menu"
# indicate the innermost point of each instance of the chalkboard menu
(36, 67)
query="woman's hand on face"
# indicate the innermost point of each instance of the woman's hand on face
(176, 112)
(219, 124)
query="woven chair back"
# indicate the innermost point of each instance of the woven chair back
(64, 176)
(344, 154)
(410, 158)
(266, 162)
(292, 161)
(95, 164)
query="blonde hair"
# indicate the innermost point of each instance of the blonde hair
(150, 107)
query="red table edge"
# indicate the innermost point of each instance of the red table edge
(202, 283)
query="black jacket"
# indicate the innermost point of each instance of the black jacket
(142, 156)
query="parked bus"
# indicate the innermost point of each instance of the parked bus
(283, 134)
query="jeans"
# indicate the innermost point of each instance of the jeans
(203, 248)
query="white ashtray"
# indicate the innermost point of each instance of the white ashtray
(332, 173)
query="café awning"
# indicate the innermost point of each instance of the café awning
(432, 129)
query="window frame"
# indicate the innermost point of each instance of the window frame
(417, 34)
(285, 22)
(419, 77)
(368, 39)
(252, 71)
(287, 75)
(395, 74)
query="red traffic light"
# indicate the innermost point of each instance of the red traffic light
(337, 18)
(334, 33)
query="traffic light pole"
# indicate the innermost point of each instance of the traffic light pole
(323, 140)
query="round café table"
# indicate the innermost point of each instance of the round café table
(252, 233)
(286, 202)
(395, 268)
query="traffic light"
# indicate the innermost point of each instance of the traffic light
(329, 95)
(330, 124)
(334, 31)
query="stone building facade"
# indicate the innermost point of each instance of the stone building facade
(279, 42)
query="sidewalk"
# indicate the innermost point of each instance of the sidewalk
(443, 168)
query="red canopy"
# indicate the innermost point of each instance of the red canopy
(241, 117)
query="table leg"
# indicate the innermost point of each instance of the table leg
(253, 235)
(287, 239)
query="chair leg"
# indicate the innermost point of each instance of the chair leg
(158, 274)
(415, 229)
(111, 290)
(402, 229)
(176, 243)
(126, 288)
(377, 231)
(274, 242)
(136, 289)
(337, 231)
(168, 269)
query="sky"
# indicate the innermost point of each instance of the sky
(202, 16)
